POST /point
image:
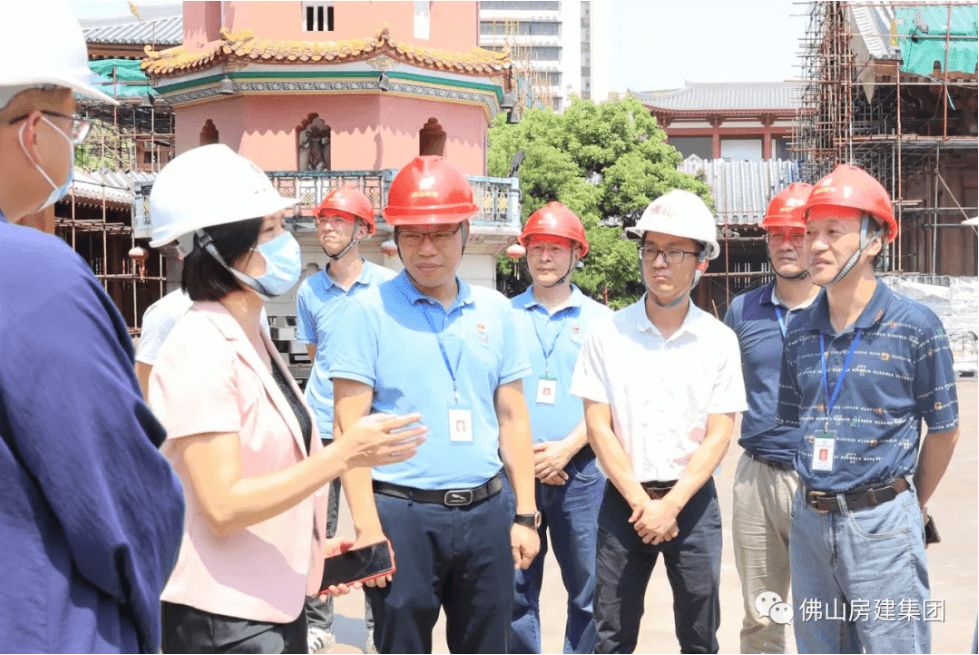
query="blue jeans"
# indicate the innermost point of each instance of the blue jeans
(570, 512)
(456, 558)
(693, 566)
(855, 573)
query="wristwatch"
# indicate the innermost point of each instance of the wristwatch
(528, 520)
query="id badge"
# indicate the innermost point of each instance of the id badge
(823, 449)
(460, 424)
(546, 391)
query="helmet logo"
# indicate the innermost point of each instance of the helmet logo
(828, 181)
(426, 183)
(847, 192)
(548, 220)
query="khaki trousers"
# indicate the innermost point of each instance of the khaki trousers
(762, 522)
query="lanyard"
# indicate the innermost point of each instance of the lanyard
(831, 400)
(547, 352)
(781, 321)
(445, 357)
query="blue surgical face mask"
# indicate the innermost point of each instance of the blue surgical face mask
(58, 192)
(283, 264)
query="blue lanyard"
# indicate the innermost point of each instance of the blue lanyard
(445, 356)
(781, 321)
(547, 352)
(831, 400)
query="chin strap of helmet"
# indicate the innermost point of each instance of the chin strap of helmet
(205, 242)
(864, 242)
(563, 278)
(797, 276)
(353, 242)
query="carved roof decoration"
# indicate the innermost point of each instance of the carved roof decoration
(242, 47)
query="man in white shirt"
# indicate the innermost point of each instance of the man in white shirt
(661, 382)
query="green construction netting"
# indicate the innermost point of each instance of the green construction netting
(924, 31)
(130, 81)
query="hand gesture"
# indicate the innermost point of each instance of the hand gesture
(655, 522)
(525, 544)
(550, 458)
(377, 440)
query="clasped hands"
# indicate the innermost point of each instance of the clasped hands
(655, 521)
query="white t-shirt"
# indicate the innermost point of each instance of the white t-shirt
(159, 319)
(660, 391)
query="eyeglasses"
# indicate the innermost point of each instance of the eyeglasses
(671, 256)
(439, 239)
(331, 219)
(551, 249)
(795, 238)
(77, 133)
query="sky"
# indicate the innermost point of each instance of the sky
(659, 44)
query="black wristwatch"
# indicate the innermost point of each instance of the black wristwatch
(528, 520)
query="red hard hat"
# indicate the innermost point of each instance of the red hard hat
(785, 209)
(554, 219)
(850, 186)
(349, 203)
(428, 191)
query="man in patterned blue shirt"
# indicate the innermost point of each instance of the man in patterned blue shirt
(863, 367)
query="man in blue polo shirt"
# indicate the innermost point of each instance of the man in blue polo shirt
(553, 317)
(863, 368)
(429, 341)
(765, 482)
(343, 220)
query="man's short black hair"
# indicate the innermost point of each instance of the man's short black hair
(203, 277)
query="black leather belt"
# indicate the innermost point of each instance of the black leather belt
(447, 497)
(781, 466)
(858, 498)
(656, 489)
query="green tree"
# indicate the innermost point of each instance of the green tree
(606, 162)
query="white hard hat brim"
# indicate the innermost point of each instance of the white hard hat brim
(265, 209)
(76, 86)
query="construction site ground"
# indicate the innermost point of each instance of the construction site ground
(953, 566)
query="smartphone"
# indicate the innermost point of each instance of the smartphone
(360, 565)
(931, 532)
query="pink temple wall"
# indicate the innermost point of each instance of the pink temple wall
(369, 131)
(454, 26)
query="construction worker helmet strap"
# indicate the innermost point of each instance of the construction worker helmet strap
(429, 190)
(349, 203)
(350, 244)
(865, 241)
(786, 208)
(683, 214)
(207, 186)
(204, 241)
(852, 187)
(62, 62)
(555, 219)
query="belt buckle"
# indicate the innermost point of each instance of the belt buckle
(813, 498)
(458, 497)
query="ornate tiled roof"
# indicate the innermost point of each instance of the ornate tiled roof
(166, 31)
(742, 189)
(726, 97)
(245, 48)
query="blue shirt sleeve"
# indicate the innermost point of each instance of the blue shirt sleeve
(789, 392)
(73, 412)
(515, 364)
(934, 377)
(305, 324)
(357, 346)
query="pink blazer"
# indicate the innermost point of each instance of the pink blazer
(208, 378)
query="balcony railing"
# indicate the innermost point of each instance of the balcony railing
(498, 198)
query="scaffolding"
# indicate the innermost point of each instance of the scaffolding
(127, 145)
(533, 85)
(913, 130)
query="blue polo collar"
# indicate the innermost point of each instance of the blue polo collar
(364, 277)
(869, 317)
(528, 300)
(415, 296)
(2, 219)
(765, 298)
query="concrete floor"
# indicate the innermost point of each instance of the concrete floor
(953, 566)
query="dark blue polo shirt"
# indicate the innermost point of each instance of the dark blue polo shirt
(752, 317)
(901, 374)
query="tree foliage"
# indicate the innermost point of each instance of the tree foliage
(606, 162)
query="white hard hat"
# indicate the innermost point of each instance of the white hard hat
(41, 44)
(681, 214)
(207, 186)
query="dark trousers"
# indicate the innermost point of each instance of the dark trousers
(456, 558)
(693, 566)
(190, 630)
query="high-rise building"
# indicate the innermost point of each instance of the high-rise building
(560, 48)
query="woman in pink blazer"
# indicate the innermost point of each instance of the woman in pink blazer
(241, 439)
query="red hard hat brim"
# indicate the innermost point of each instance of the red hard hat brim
(451, 214)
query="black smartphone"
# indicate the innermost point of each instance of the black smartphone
(360, 565)
(931, 532)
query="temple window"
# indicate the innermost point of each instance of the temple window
(317, 16)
